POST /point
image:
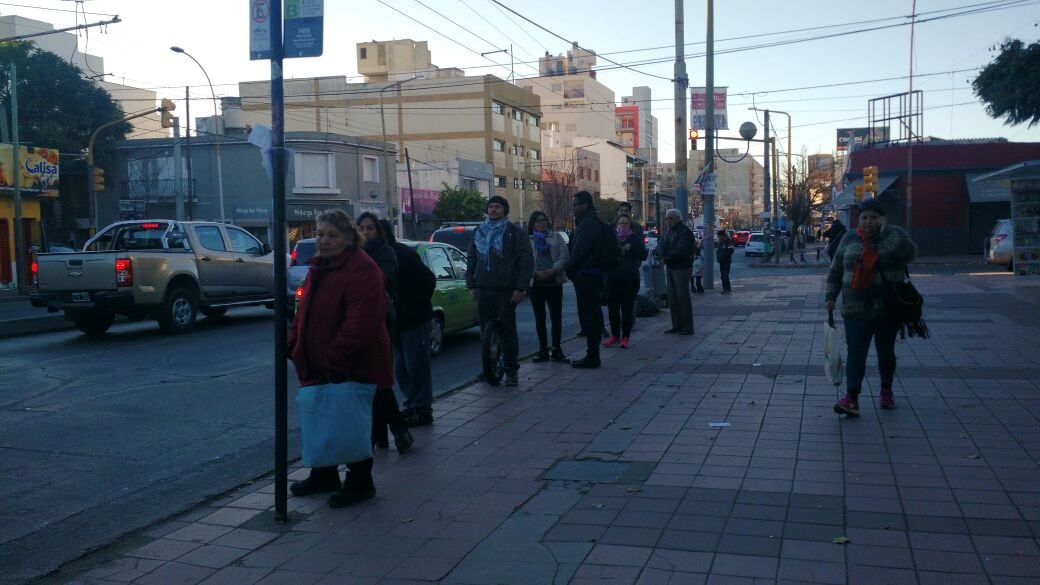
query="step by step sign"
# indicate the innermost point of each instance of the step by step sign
(260, 30)
(303, 28)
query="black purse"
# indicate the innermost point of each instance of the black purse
(905, 307)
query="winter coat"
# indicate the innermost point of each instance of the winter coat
(834, 235)
(559, 253)
(386, 258)
(416, 284)
(628, 266)
(586, 244)
(677, 249)
(724, 251)
(895, 250)
(510, 271)
(340, 327)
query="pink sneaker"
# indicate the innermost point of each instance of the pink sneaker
(847, 406)
(624, 342)
(610, 341)
(888, 401)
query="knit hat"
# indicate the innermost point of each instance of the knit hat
(872, 205)
(501, 201)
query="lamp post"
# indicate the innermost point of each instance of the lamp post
(776, 210)
(216, 123)
(386, 152)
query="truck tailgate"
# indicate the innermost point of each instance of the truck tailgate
(81, 271)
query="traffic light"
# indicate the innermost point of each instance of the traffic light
(693, 139)
(97, 179)
(870, 180)
(167, 112)
(859, 193)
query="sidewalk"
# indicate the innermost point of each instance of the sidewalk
(713, 458)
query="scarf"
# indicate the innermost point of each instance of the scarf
(866, 264)
(488, 238)
(623, 231)
(540, 244)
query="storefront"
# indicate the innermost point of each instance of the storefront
(38, 178)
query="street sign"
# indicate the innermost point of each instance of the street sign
(260, 29)
(709, 184)
(304, 25)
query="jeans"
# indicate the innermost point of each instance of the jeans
(724, 266)
(412, 368)
(621, 306)
(679, 303)
(858, 333)
(551, 296)
(496, 304)
(587, 288)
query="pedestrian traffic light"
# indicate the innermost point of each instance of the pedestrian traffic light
(693, 139)
(870, 183)
(167, 112)
(97, 178)
(859, 193)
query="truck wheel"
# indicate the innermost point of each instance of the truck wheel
(94, 322)
(178, 312)
(213, 312)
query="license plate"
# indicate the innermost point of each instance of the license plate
(81, 297)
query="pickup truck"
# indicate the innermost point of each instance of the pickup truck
(161, 269)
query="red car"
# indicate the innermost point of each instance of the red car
(741, 238)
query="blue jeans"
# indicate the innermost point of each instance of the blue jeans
(858, 333)
(412, 368)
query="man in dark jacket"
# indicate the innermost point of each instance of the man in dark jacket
(411, 344)
(585, 271)
(498, 273)
(676, 251)
(626, 208)
(834, 234)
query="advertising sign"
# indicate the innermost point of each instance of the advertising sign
(304, 23)
(39, 170)
(699, 108)
(858, 136)
(425, 199)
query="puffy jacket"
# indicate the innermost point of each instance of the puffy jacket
(416, 284)
(510, 271)
(895, 251)
(340, 325)
(677, 249)
(586, 244)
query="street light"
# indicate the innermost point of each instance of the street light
(776, 206)
(386, 152)
(216, 123)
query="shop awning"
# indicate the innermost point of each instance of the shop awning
(848, 196)
(986, 191)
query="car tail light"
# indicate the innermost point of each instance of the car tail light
(458, 229)
(34, 268)
(293, 257)
(150, 226)
(124, 272)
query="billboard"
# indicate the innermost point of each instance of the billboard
(425, 199)
(858, 136)
(38, 166)
(699, 107)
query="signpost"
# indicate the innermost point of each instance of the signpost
(303, 28)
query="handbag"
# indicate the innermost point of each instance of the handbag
(336, 423)
(833, 349)
(905, 307)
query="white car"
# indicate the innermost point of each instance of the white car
(756, 245)
(1001, 243)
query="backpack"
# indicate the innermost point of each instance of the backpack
(610, 251)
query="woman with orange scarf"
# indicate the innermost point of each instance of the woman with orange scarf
(864, 260)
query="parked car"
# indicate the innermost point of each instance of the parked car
(456, 234)
(1001, 243)
(755, 245)
(299, 265)
(740, 238)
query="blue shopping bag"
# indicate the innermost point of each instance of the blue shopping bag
(336, 423)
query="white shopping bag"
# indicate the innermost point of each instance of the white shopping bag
(833, 351)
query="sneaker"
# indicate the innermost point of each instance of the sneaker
(888, 401)
(848, 406)
(610, 341)
(624, 343)
(312, 485)
(419, 419)
(543, 356)
(557, 355)
(350, 496)
(403, 441)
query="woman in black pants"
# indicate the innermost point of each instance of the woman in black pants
(624, 282)
(550, 256)
(724, 256)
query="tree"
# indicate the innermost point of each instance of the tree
(607, 208)
(58, 108)
(1010, 84)
(458, 204)
(557, 188)
(803, 201)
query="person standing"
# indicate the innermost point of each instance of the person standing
(411, 344)
(498, 273)
(339, 334)
(677, 254)
(624, 282)
(724, 254)
(550, 259)
(584, 268)
(834, 234)
(697, 285)
(626, 208)
(864, 260)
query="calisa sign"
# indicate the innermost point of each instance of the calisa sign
(39, 168)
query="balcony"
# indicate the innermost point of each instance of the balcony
(155, 190)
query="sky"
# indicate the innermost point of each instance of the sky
(819, 60)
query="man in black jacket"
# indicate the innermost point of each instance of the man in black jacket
(498, 272)
(834, 234)
(676, 251)
(411, 344)
(585, 271)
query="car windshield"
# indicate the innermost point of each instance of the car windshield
(755, 238)
(303, 252)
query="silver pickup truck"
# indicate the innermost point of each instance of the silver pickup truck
(161, 269)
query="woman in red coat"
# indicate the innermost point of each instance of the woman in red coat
(339, 334)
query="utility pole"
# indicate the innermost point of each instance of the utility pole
(681, 82)
(19, 230)
(910, 144)
(187, 147)
(708, 192)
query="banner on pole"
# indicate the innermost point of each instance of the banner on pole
(699, 108)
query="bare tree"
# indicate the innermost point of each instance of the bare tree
(558, 187)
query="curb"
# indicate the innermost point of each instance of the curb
(34, 325)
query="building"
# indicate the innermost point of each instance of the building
(740, 184)
(423, 183)
(637, 132)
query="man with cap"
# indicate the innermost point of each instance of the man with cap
(498, 272)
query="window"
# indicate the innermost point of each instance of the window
(557, 87)
(496, 108)
(523, 184)
(516, 183)
(518, 150)
(518, 115)
(595, 175)
(470, 184)
(535, 155)
(574, 89)
(243, 243)
(364, 52)
(458, 262)
(315, 171)
(370, 169)
(209, 237)
(532, 120)
(500, 181)
(498, 145)
(439, 263)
